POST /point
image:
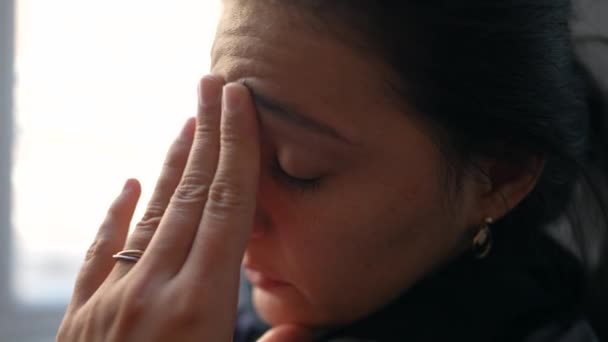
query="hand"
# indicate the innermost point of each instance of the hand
(194, 233)
(287, 333)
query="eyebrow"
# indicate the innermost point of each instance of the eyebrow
(293, 116)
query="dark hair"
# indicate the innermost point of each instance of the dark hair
(498, 79)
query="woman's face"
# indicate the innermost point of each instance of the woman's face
(352, 206)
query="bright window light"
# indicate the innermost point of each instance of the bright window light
(102, 88)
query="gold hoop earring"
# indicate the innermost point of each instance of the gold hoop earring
(482, 242)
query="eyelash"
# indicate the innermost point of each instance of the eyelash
(301, 184)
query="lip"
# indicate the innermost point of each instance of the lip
(263, 280)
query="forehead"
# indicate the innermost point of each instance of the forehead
(289, 53)
(259, 38)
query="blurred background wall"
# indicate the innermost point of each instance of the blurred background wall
(91, 93)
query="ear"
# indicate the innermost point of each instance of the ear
(506, 184)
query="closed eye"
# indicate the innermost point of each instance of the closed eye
(296, 182)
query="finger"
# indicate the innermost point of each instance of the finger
(109, 240)
(171, 243)
(171, 173)
(228, 216)
(287, 333)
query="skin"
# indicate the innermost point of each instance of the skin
(379, 219)
(374, 224)
(194, 233)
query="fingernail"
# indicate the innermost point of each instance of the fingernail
(206, 91)
(232, 101)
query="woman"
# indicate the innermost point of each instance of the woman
(383, 172)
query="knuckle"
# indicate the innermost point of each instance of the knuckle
(207, 124)
(145, 229)
(148, 223)
(135, 304)
(186, 308)
(225, 195)
(99, 245)
(190, 190)
(231, 135)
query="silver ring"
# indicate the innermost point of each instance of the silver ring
(132, 255)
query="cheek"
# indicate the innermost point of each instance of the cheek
(375, 249)
(354, 245)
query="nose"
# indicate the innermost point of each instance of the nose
(262, 222)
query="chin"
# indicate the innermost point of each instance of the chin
(285, 306)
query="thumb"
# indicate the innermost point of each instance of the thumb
(287, 333)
